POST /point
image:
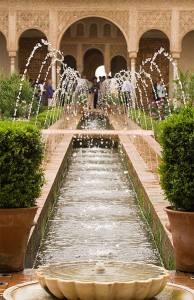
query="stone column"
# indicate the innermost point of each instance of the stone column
(107, 69)
(12, 45)
(80, 66)
(52, 38)
(12, 55)
(175, 50)
(175, 56)
(107, 59)
(80, 69)
(174, 75)
(53, 73)
(133, 56)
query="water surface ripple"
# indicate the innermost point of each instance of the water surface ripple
(96, 215)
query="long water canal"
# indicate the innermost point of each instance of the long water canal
(96, 215)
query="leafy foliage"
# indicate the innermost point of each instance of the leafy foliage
(21, 155)
(9, 90)
(47, 117)
(184, 91)
(177, 166)
(161, 109)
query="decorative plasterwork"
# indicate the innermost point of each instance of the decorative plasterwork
(67, 18)
(4, 22)
(87, 47)
(154, 19)
(186, 22)
(69, 49)
(118, 50)
(32, 19)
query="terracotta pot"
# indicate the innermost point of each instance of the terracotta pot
(15, 226)
(182, 229)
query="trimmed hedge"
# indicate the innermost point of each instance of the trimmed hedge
(47, 117)
(177, 165)
(21, 155)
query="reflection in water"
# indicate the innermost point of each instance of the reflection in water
(96, 215)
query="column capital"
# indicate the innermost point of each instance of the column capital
(80, 68)
(12, 53)
(132, 54)
(175, 54)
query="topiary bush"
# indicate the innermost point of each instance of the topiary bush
(21, 155)
(177, 164)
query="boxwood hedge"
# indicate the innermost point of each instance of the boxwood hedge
(177, 165)
(21, 155)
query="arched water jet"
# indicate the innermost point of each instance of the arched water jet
(70, 76)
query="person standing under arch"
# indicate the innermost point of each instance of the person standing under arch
(49, 92)
(95, 91)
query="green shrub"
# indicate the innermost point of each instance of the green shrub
(184, 91)
(47, 117)
(9, 90)
(177, 165)
(21, 155)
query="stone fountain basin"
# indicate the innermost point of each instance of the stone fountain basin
(118, 280)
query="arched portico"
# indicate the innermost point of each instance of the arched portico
(186, 61)
(130, 19)
(4, 57)
(149, 45)
(91, 33)
(118, 63)
(93, 58)
(119, 19)
(70, 61)
(26, 43)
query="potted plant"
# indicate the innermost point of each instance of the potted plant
(21, 179)
(177, 180)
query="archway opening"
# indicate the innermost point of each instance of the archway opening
(93, 58)
(118, 63)
(27, 42)
(70, 61)
(149, 44)
(4, 57)
(93, 41)
(100, 72)
(186, 62)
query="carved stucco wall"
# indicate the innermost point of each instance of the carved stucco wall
(87, 47)
(41, 20)
(69, 49)
(118, 50)
(186, 22)
(32, 19)
(174, 18)
(4, 15)
(154, 19)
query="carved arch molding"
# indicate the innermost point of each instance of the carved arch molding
(67, 18)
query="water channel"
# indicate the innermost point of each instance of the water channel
(96, 214)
